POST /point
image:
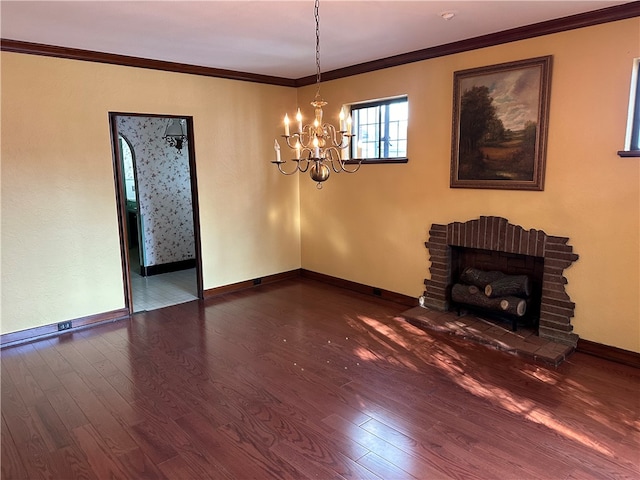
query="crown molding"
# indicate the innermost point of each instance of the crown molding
(17, 46)
(587, 19)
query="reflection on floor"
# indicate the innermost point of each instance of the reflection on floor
(158, 291)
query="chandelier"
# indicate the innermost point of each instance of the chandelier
(318, 147)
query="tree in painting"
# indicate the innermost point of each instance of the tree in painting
(498, 128)
(477, 120)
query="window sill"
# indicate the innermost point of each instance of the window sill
(629, 153)
(377, 160)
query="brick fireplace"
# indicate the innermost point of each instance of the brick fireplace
(496, 234)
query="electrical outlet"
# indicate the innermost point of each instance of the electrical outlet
(64, 326)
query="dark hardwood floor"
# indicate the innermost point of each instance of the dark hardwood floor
(304, 380)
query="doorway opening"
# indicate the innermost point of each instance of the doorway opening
(156, 193)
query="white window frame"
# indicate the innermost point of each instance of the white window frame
(632, 136)
(356, 145)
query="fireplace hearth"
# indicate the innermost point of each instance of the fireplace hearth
(492, 243)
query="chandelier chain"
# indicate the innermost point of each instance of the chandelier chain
(316, 13)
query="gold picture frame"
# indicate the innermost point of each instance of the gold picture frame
(500, 122)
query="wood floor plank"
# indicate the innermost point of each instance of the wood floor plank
(113, 434)
(499, 460)
(153, 440)
(71, 462)
(123, 411)
(138, 465)
(28, 442)
(255, 450)
(111, 344)
(385, 469)
(39, 368)
(304, 435)
(313, 468)
(102, 461)
(152, 392)
(11, 464)
(300, 379)
(56, 362)
(15, 369)
(389, 455)
(66, 408)
(342, 467)
(308, 394)
(163, 440)
(91, 354)
(53, 432)
(177, 467)
(210, 440)
(455, 438)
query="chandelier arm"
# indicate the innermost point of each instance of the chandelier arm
(332, 133)
(295, 170)
(333, 158)
(338, 165)
(345, 140)
(337, 169)
(296, 138)
(306, 163)
(354, 170)
(305, 137)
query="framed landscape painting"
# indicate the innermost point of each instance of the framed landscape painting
(500, 117)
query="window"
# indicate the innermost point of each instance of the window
(632, 139)
(381, 130)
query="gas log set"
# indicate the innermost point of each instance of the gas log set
(493, 291)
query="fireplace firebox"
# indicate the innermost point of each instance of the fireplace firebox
(510, 264)
(492, 243)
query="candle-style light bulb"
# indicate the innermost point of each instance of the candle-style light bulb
(349, 125)
(286, 125)
(298, 147)
(299, 119)
(342, 129)
(276, 147)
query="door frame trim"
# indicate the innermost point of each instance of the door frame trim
(121, 201)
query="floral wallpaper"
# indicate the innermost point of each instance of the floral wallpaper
(164, 191)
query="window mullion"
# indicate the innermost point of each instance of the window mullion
(383, 125)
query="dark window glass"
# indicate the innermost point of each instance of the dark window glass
(381, 129)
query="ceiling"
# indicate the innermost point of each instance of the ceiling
(275, 38)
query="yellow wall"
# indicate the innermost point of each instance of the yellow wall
(60, 244)
(370, 227)
(60, 249)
